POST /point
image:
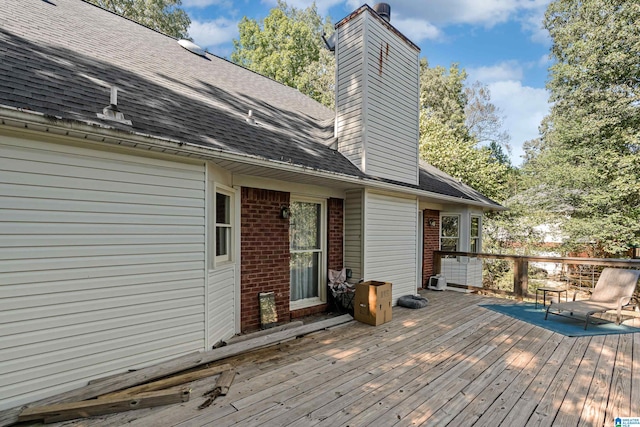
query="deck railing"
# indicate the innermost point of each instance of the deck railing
(518, 275)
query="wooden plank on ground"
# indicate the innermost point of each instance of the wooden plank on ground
(528, 346)
(598, 394)
(619, 402)
(635, 377)
(496, 413)
(571, 408)
(89, 408)
(170, 367)
(170, 382)
(312, 353)
(482, 373)
(521, 411)
(557, 386)
(252, 335)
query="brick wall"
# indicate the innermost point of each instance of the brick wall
(335, 236)
(265, 254)
(431, 243)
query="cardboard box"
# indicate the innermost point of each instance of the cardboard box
(372, 303)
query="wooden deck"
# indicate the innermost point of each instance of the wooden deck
(453, 363)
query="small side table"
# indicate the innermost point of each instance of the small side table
(544, 291)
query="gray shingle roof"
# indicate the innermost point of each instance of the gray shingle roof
(60, 58)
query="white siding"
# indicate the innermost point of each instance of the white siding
(222, 304)
(349, 89)
(101, 265)
(391, 232)
(392, 120)
(353, 225)
(377, 94)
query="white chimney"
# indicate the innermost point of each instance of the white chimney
(377, 95)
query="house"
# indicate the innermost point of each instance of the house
(150, 191)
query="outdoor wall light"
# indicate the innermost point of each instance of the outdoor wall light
(432, 222)
(285, 212)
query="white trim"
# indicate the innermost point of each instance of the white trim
(420, 248)
(365, 92)
(322, 267)
(222, 260)
(238, 258)
(479, 248)
(207, 264)
(451, 214)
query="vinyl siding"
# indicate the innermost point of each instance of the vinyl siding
(392, 120)
(349, 89)
(101, 261)
(353, 233)
(222, 304)
(391, 225)
(377, 95)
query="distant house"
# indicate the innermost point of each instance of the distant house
(150, 191)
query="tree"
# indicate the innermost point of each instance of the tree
(446, 141)
(165, 16)
(287, 46)
(485, 121)
(588, 161)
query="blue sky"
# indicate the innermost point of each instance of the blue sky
(500, 43)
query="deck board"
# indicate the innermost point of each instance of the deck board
(453, 363)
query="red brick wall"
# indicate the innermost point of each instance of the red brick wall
(265, 254)
(335, 236)
(431, 243)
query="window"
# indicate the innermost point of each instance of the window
(223, 225)
(306, 237)
(449, 232)
(475, 234)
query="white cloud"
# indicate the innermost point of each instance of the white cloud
(533, 23)
(224, 4)
(416, 29)
(213, 33)
(524, 108)
(323, 6)
(507, 70)
(437, 14)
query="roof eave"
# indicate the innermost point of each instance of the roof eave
(98, 132)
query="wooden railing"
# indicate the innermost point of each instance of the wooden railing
(521, 267)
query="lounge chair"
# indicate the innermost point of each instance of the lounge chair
(613, 291)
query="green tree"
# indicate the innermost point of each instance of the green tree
(165, 16)
(287, 46)
(485, 121)
(587, 163)
(446, 141)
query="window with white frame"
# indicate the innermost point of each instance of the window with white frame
(223, 225)
(307, 264)
(475, 234)
(449, 233)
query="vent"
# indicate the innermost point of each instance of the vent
(111, 112)
(192, 47)
(383, 10)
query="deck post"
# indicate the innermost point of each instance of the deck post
(520, 277)
(437, 262)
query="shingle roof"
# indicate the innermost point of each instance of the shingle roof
(60, 58)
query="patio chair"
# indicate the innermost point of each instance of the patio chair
(341, 292)
(613, 291)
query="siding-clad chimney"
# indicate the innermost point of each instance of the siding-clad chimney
(377, 95)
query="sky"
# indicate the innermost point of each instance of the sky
(500, 43)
